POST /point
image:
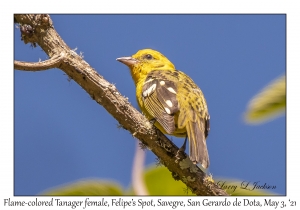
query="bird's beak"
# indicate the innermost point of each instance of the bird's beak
(128, 61)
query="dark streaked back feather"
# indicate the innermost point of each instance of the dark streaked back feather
(162, 100)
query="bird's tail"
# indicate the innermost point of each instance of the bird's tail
(197, 142)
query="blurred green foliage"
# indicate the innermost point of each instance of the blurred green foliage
(269, 103)
(158, 181)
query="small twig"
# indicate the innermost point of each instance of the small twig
(138, 182)
(53, 62)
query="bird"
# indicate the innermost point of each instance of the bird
(172, 99)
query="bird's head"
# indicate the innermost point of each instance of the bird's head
(145, 61)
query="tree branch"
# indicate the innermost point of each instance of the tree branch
(38, 29)
(40, 66)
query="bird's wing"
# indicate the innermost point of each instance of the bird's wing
(159, 96)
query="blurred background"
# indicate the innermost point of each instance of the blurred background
(61, 135)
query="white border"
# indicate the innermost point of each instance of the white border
(290, 8)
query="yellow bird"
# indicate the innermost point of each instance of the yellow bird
(171, 98)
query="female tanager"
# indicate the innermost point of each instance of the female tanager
(171, 98)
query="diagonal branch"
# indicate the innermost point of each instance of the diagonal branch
(53, 62)
(38, 29)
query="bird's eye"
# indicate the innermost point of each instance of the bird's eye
(148, 57)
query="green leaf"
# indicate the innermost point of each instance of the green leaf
(159, 181)
(86, 188)
(269, 103)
